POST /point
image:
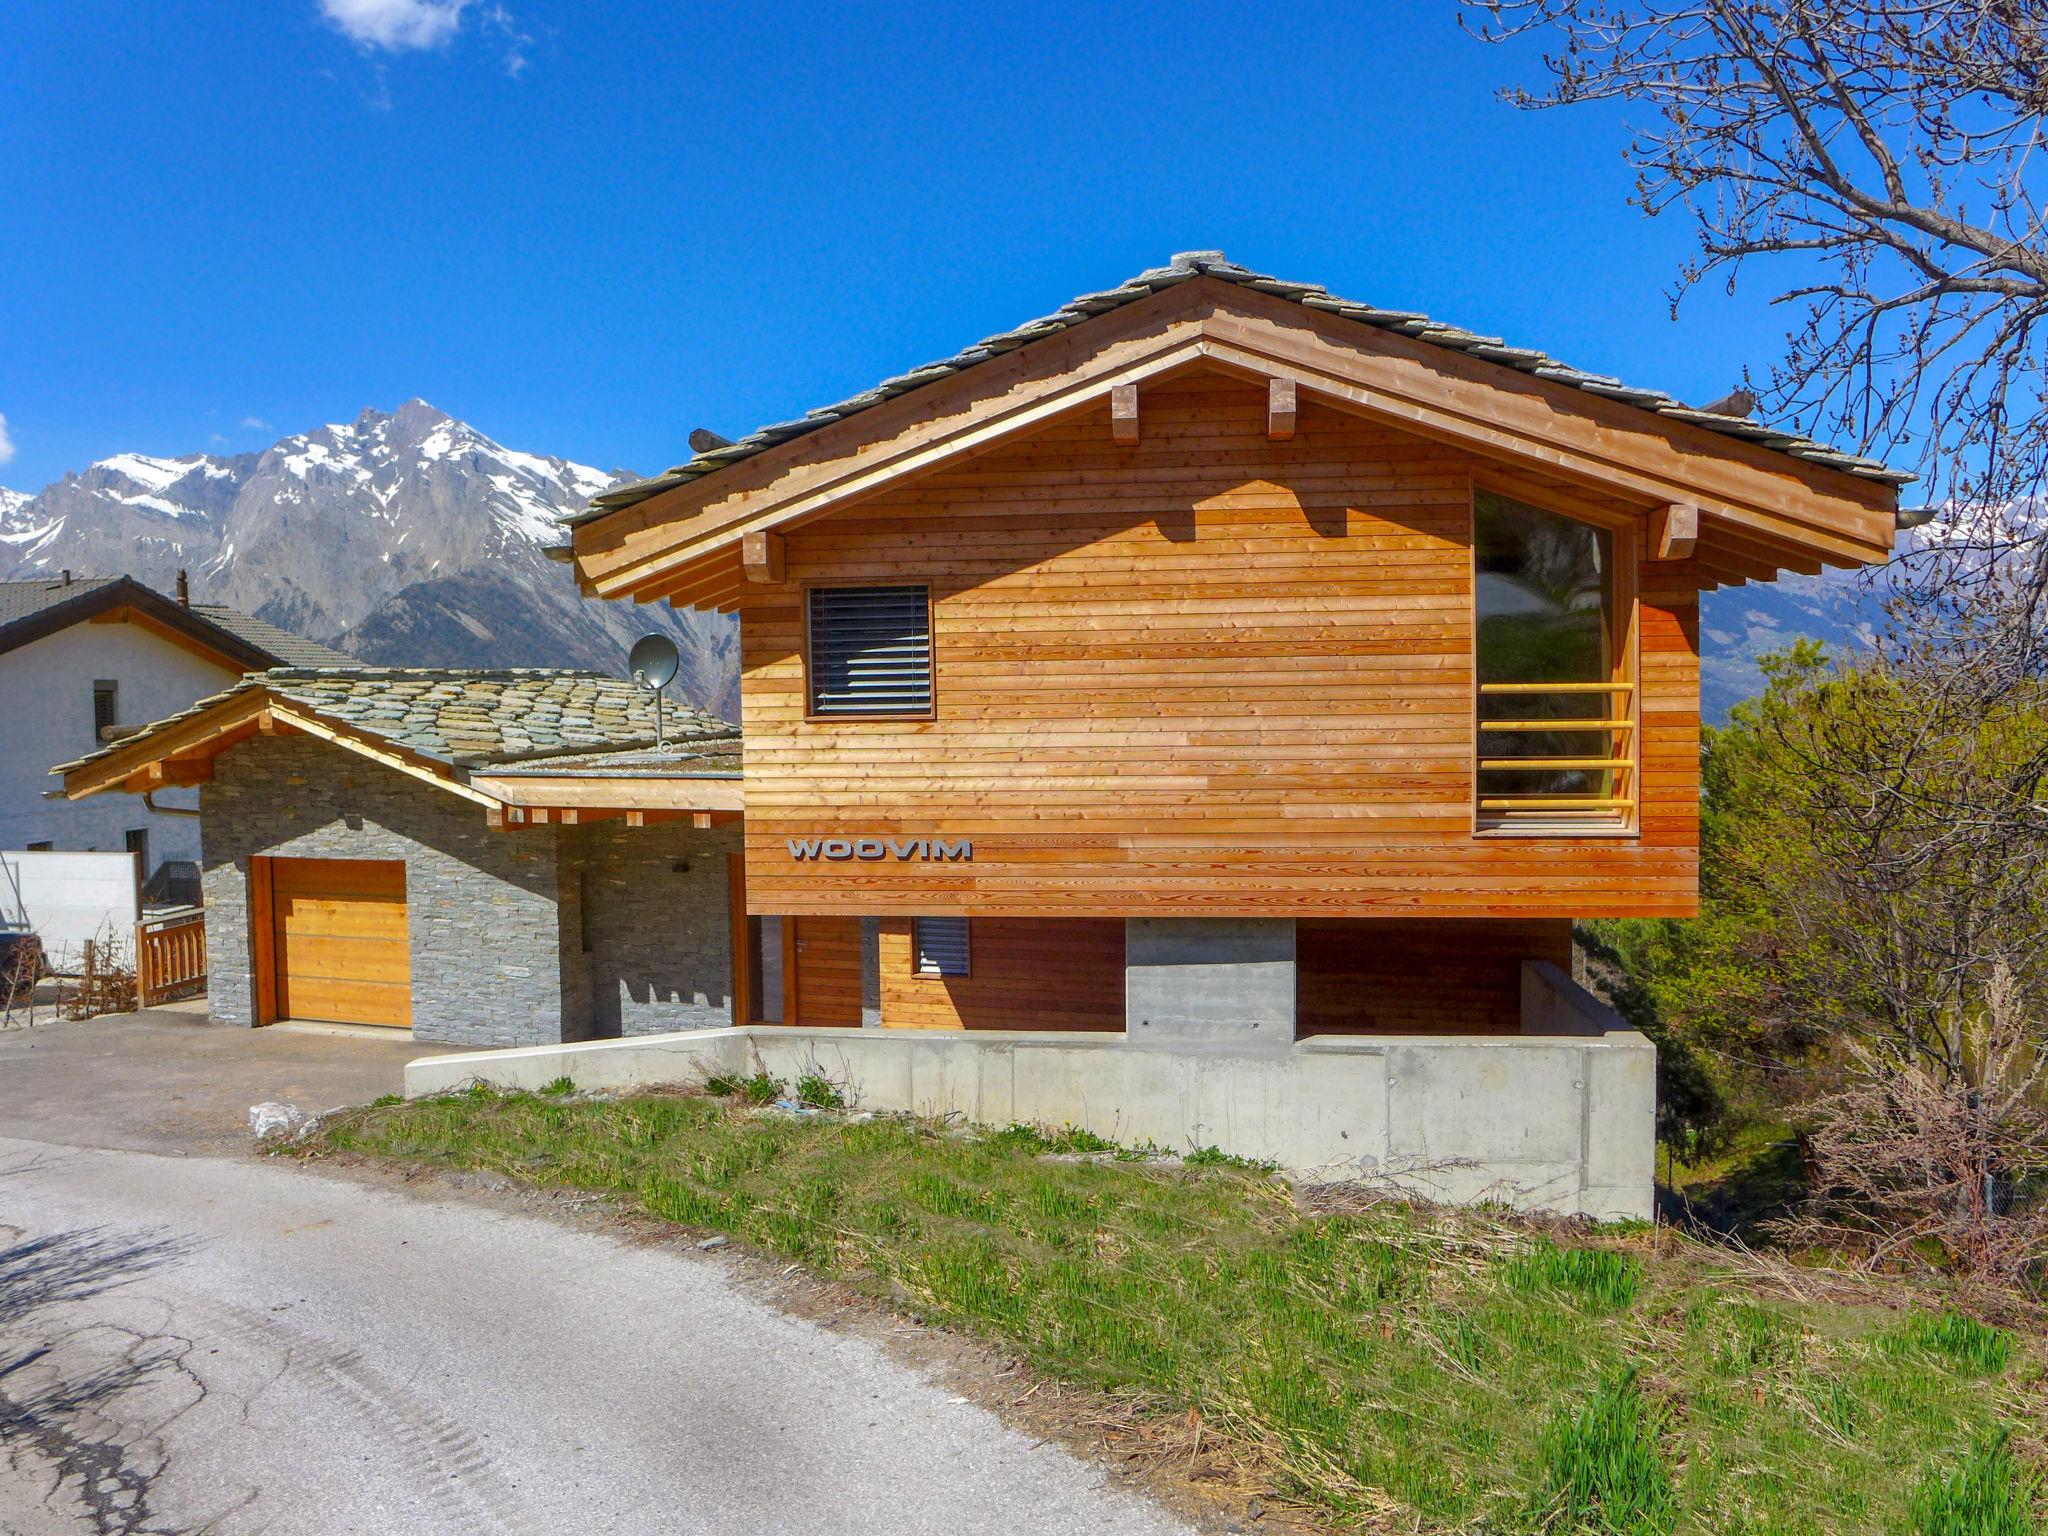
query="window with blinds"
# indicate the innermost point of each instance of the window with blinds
(941, 945)
(870, 650)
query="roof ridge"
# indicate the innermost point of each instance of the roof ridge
(1185, 266)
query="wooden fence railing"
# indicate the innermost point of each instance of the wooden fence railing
(170, 957)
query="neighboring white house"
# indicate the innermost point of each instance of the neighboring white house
(82, 659)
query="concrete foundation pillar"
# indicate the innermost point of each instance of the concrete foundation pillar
(1219, 984)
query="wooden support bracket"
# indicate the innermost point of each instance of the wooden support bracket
(1280, 410)
(1674, 531)
(1123, 413)
(761, 557)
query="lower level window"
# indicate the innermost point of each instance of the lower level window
(941, 945)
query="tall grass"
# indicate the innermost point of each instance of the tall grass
(1987, 1493)
(1447, 1365)
(1603, 1469)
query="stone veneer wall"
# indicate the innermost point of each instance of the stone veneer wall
(485, 926)
(659, 924)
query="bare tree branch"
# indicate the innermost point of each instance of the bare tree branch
(1888, 151)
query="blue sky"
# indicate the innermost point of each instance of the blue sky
(587, 229)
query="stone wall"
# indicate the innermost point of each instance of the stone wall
(658, 924)
(484, 923)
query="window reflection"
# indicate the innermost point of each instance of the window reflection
(1544, 600)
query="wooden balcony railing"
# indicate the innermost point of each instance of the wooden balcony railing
(170, 957)
(1612, 764)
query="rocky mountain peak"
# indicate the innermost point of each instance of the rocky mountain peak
(412, 423)
(408, 538)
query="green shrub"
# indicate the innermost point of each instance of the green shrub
(1216, 1157)
(1602, 1469)
(761, 1089)
(560, 1088)
(719, 1086)
(1605, 1280)
(1987, 1494)
(818, 1092)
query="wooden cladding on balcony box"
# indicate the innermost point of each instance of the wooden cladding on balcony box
(1403, 977)
(1026, 974)
(1208, 673)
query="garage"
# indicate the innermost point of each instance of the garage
(339, 951)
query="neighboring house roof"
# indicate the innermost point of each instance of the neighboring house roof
(1193, 264)
(289, 649)
(31, 610)
(516, 740)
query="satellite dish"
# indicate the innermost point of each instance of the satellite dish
(654, 661)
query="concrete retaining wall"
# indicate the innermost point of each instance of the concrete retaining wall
(1560, 1123)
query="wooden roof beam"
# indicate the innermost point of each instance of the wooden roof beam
(761, 558)
(1123, 414)
(1280, 410)
(1674, 531)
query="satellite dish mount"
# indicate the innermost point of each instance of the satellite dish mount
(654, 662)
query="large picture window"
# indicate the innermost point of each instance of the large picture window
(1554, 722)
(870, 650)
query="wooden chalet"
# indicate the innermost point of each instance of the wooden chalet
(1220, 601)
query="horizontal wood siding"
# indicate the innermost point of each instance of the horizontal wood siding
(1205, 674)
(1403, 977)
(1045, 974)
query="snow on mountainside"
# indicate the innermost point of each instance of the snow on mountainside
(1844, 610)
(407, 538)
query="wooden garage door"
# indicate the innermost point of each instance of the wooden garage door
(340, 946)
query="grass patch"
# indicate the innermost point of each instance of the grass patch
(1988, 1493)
(1600, 1278)
(1454, 1367)
(1975, 1347)
(1603, 1469)
(559, 1088)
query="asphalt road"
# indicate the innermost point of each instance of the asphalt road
(197, 1340)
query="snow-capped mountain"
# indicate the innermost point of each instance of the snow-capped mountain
(1844, 610)
(403, 538)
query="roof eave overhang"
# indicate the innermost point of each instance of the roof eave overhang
(683, 545)
(117, 599)
(181, 753)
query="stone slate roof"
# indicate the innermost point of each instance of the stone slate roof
(687, 759)
(29, 610)
(476, 720)
(290, 650)
(1185, 267)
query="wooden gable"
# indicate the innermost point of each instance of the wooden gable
(1736, 510)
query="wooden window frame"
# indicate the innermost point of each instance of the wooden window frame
(1626, 532)
(109, 689)
(919, 973)
(931, 629)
